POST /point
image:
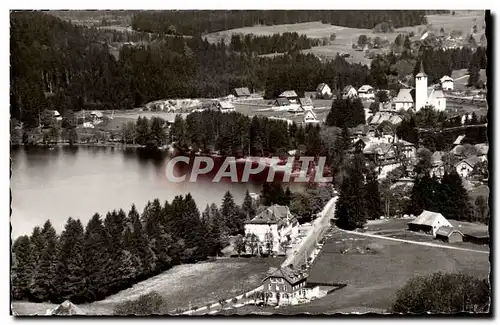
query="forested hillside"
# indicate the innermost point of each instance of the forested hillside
(192, 22)
(55, 65)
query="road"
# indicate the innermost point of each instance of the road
(319, 226)
(415, 242)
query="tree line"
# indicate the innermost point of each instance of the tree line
(111, 253)
(346, 112)
(199, 22)
(276, 43)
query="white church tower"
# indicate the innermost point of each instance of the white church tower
(421, 88)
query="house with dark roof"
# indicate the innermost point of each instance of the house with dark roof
(285, 285)
(306, 103)
(323, 91)
(273, 226)
(366, 92)
(477, 237)
(291, 95)
(225, 107)
(242, 92)
(282, 103)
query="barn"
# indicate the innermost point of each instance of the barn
(449, 235)
(429, 222)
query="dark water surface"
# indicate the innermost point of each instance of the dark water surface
(62, 182)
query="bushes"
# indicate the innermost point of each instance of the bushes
(148, 304)
(443, 293)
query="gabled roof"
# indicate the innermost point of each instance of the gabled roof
(275, 214)
(437, 157)
(56, 113)
(433, 93)
(404, 96)
(365, 88)
(447, 231)
(320, 87)
(395, 119)
(459, 139)
(290, 275)
(282, 101)
(242, 91)
(96, 113)
(289, 94)
(471, 161)
(67, 308)
(446, 78)
(347, 89)
(310, 113)
(305, 101)
(428, 218)
(226, 105)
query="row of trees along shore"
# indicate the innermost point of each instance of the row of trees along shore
(85, 264)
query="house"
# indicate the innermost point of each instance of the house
(242, 92)
(281, 104)
(380, 153)
(323, 91)
(366, 92)
(310, 117)
(446, 83)
(429, 222)
(477, 237)
(437, 158)
(482, 150)
(273, 226)
(291, 95)
(225, 107)
(306, 103)
(465, 167)
(408, 149)
(403, 100)
(380, 117)
(57, 116)
(349, 92)
(449, 235)
(285, 285)
(96, 116)
(436, 98)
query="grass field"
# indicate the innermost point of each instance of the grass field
(345, 36)
(373, 278)
(198, 284)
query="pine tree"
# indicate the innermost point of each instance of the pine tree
(229, 213)
(114, 223)
(21, 268)
(70, 267)
(456, 205)
(95, 255)
(139, 246)
(248, 206)
(372, 196)
(43, 286)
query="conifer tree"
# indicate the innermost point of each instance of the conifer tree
(140, 246)
(43, 285)
(229, 213)
(21, 268)
(456, 204)
(248, 206)
(372, 196)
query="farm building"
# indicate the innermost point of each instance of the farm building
(429, 222)
(477, 237)
(366, 92)
(276, 223)
(446, 83)
(449, 235)
(242, 92)
(285, 285)
(310, 117)
(465, 167)
(403, 100)
(291, 95)
(349, 92)
(306, 103)
(323, 91)
(281, 102)
(225, 107)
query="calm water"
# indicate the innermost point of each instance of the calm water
(63, 182)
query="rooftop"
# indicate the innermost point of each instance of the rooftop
(289, 94)
(291, 275)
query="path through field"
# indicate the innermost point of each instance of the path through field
(415, 242)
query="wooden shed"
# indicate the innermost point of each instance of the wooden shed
(449, 235)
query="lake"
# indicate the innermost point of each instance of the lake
(77, 182)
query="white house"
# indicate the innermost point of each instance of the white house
(436, 98)
(429, 222)
(57, 116)
(225, 107)
(446, 83)
(276, 223)
(465, 166)
(366, 92)
(323, 90)
(403, 100)
(96, 116)
(310, 117)
(349, 92)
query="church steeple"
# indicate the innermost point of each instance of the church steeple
(421, 73)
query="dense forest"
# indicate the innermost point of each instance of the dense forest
(199, 22)
(55, 65)
(85, 264)
(277, 43)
